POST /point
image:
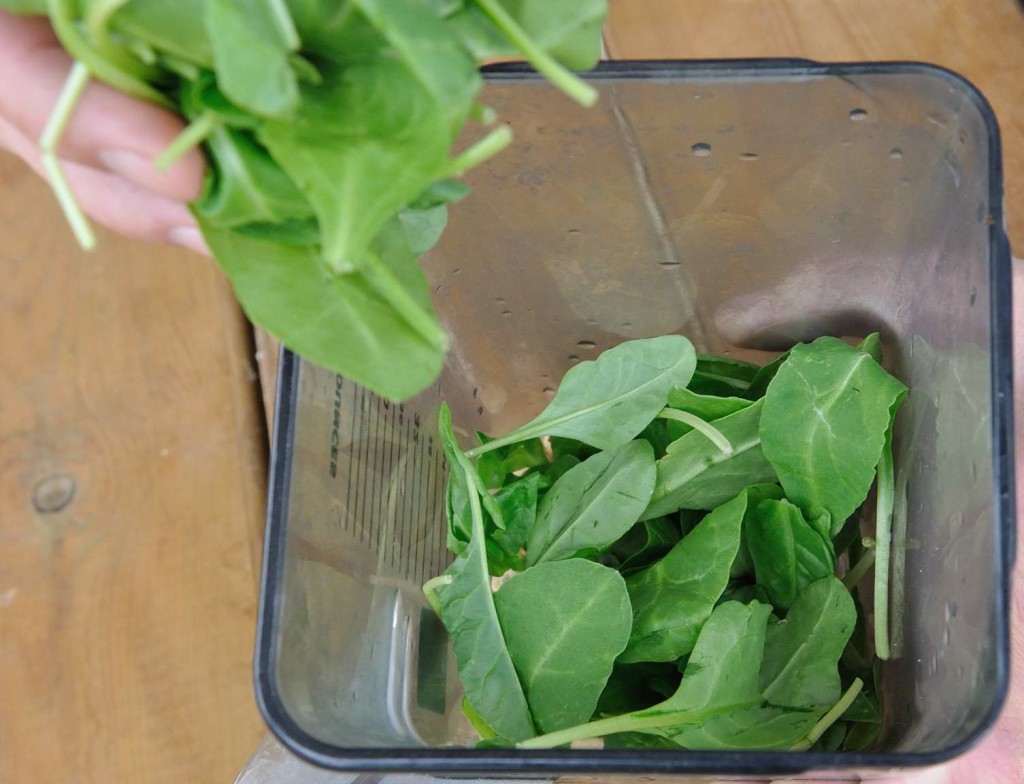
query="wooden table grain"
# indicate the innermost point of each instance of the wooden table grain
(132, 435)
(132, 468)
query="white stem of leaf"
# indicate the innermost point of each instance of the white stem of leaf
(557, 74)
(193, 135)
(883, 531)
(49, 142)
(713, 434)
(430, 590)
(830, 718)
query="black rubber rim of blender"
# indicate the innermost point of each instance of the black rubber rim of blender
(631, 761)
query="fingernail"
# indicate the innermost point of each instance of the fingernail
(130, 165)
(188, 237)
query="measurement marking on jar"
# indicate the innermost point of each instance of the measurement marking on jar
(390, 480)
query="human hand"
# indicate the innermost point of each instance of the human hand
(108, 148)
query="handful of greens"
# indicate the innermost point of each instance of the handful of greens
(675, 526)
(328, 126)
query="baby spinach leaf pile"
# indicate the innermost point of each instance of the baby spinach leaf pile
(328, 126)
(677, 542)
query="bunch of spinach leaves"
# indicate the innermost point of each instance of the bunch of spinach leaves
(670, 534)
(328, 126)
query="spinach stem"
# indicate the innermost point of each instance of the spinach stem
(97, 20)
(494, 443)
(179, 66)
(830, 718)
(143, 51)
(560, 76)
(898, 561)
(285, 24)
(713, 434)
(647, 719)
(738, 384)
(192, 136)
(49, 141)
(859, 569)
(61, 14)
(390, 288)
(627, 722)
(883, 531)
(430, 590)
(493, 143)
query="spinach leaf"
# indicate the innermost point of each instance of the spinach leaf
(713, 386)
(745, 594)
(495, 467)
(464, 484)
(721, 376)
(606, 402)
(760, 727)
(823, 427)
(657, 435)
(832, 739)
(569, 32)
(360, 146)
(644, 543)
(476, 721)
(721, 677)
(800, 667)
(564, 624)
(252, 46)
(432, 51)
(467, 608)
(440, 192)
(860, 736)
(460, 525)
(829, 719)
(353, 107)
(631, 687)
(518, 504)
(249, 187)
(759, 384)
(296, 297)
(336, 31)
(864, 708)
(593, 504)
(743, 566)
(555, 470)
(201, 95)
(722, 672)
(695, 474)
(788, 554)
(638, 740)
(673, 598)
(177, 28)
(704, 664)
(570, 446)
(707, 407)
(872, 346)
(423, 227)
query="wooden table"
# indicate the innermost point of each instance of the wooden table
(133, 442)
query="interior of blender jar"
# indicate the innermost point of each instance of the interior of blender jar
(747, 211)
